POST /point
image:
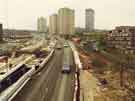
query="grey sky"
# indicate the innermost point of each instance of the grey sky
(22, 14)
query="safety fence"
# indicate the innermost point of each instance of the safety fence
(77, 92)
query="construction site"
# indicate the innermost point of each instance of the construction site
(102, 78)
(19, 45)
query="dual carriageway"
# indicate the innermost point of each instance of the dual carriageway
(49, 83)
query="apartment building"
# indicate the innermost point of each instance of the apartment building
(53, 24)
(122, 37)
(41, 25)
(89, 20)
(66, 21)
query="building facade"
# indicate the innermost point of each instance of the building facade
(89, 20)
(66, 21)
(72, 21)
(122, 37)
(41, 25)
(53, 24)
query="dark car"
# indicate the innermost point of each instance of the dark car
(66, 68)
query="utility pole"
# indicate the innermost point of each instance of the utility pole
(7, 62)
(122, 68)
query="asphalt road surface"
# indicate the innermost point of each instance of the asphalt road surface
(64, 89)
(41, 86)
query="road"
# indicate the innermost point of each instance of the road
(42, 85)
(64, 89)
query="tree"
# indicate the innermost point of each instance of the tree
(78, 33)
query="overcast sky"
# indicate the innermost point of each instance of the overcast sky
(22, 14)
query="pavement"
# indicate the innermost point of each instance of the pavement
(88, 84)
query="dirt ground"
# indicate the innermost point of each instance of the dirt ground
(101, 86)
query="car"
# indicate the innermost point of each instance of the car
(66, 68)
(66, 45)
(58, 47)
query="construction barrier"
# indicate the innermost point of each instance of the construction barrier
(77, 96)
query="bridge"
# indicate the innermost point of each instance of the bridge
(44, 80)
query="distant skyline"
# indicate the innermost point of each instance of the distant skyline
(23, 14)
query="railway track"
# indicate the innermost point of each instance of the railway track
(41, 85)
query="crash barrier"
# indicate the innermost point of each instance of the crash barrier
(13, 90)
(10, 92)
(77, 96)
(45, 61)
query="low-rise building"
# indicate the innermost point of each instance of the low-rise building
(122, 37)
